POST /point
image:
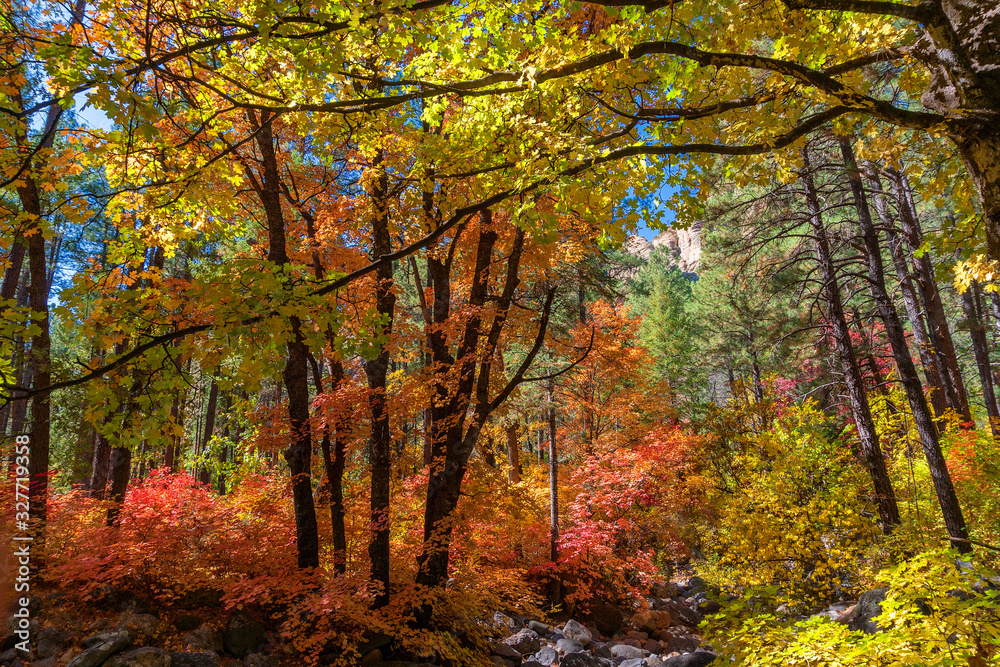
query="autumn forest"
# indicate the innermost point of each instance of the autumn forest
(467, 333)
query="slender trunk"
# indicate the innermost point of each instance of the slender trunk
(121, 469)
(295, 376)
(910, 301)
(556, 592)
(937, 321)
(513, 454)
(40, 356)
(333, 445)
(868, 440)
(376, 371)
(977, 331)
(169, 457)
(213, 400)
(952, 512)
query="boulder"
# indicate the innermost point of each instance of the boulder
(633, 662)
(99, 651)
(505, 651)
(678, 640)
(194, 659)
(504, 621)
(547, 656)
(205, 638)
(652, 621)
(869, 606)
(260, 660)
(187, 622)
(140, 625)
(680, 613)
(50, 642)
(696, 659)
(539, 627)
(523, 641)
(141, 657)
(244, 635)
(576, 631)
(626, 651)
(567, 645)
(607, 617)
(582, 659)
(45, 662)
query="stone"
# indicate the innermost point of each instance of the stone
(567, 645)
(695, 585)
(8, 656)
(607, 617)
(654, 661)
(47, 648)
(52, 633)
(869, 606)
(678, 640)
(260, 660)
(244, 635)
(505, 651)
(205, 638)
(696, 659)
(651, 646)
(633, 662)
(46, 662)
(141, 657)
(97, 625)
(523, 641)
(601, 650)
(626, 651)
(502, 662)
(581, 660)
(577, 631)
(98, 652)
(680, 613)
(194, 659)
(539, 627)
(547, 656)
(504, 621)
(140, 625)
(200, 598)
(187, 622)
(652, 621)
(532, 663)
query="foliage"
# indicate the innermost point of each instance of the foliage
(790, 514)
(940, 611)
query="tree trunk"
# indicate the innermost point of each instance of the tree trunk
(213, 400)
(40, 357)
(977, 331)
(376, 371)
(556, 591)
(911, 303)
(513, 454)
(937, 322)
(868, 440)
(121, 470)
(954, 521)
(299, 452)
(334, 448)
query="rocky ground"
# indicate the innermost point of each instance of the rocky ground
(663, 632)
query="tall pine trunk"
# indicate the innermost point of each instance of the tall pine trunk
(922, 418)
(869, 446)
